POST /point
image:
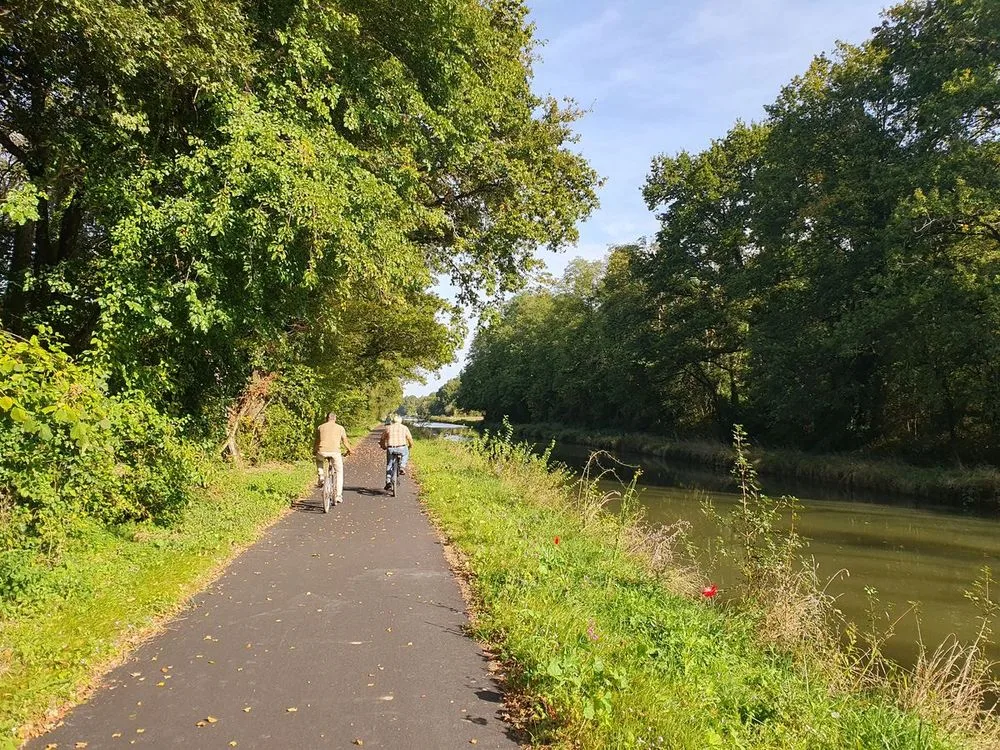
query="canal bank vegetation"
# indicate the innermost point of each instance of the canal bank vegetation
(970, 488)
(826, 277)
(64, 622)
(610, 637)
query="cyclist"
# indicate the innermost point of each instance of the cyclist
(396, 440)
(329, 437)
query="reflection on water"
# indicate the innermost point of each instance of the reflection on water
(438, 426)
(908, 553)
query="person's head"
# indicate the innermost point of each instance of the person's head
(331, 416)
(396, 419)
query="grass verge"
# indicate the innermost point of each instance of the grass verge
(969, 488)
(111, 587)
(602, 654)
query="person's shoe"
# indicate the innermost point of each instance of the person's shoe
(402, 471)
(339, 500)
(319, 482)
(388, 486)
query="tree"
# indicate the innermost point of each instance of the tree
(249, 187)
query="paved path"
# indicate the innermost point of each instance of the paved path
(333, 631)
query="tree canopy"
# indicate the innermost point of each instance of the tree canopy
(193, 192)
(228, 218)
(828, 276)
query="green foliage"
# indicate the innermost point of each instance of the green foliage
(71, 453)
(258, 188)
(441, 403)
(827, 277)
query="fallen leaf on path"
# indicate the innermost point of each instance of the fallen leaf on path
(161, 683)
(232, 744)
(247, 709)
(211, 719)
(116, 735)
(80, 745)
(473, 741)
(291, 710)
(140, 731)
(359, 741)
(164, 669)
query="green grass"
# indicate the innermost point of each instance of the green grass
(604, 656)
(111, 585)
(964, 487)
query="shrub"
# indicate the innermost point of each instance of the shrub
(72, 454)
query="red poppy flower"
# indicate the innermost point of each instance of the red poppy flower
(709, 591)
(556, 540)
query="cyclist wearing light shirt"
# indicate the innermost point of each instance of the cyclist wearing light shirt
(396, 440)
(329, 437)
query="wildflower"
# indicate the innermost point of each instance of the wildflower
(592, 631)
(710, 591)
(556, 540)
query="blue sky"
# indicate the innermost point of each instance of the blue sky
(660, 77)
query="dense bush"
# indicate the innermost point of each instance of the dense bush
(73, 455)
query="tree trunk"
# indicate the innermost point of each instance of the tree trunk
(44, 249)
(15, 302)
(69, 229)
(253, 401)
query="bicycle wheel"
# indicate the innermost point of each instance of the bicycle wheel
(395, 473)
(328, 487)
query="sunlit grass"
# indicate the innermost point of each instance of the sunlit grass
(604, 655)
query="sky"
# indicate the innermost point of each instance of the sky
(661, 76)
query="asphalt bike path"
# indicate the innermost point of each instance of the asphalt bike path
(335, 630)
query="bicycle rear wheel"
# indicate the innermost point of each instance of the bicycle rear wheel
(328, 486)
(395, 473)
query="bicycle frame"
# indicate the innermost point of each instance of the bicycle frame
(328, 483)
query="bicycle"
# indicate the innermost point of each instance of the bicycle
(328, 482)
(394, 473)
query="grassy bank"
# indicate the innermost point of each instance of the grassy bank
(969, 488)
(601, 653)
(110, 586)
